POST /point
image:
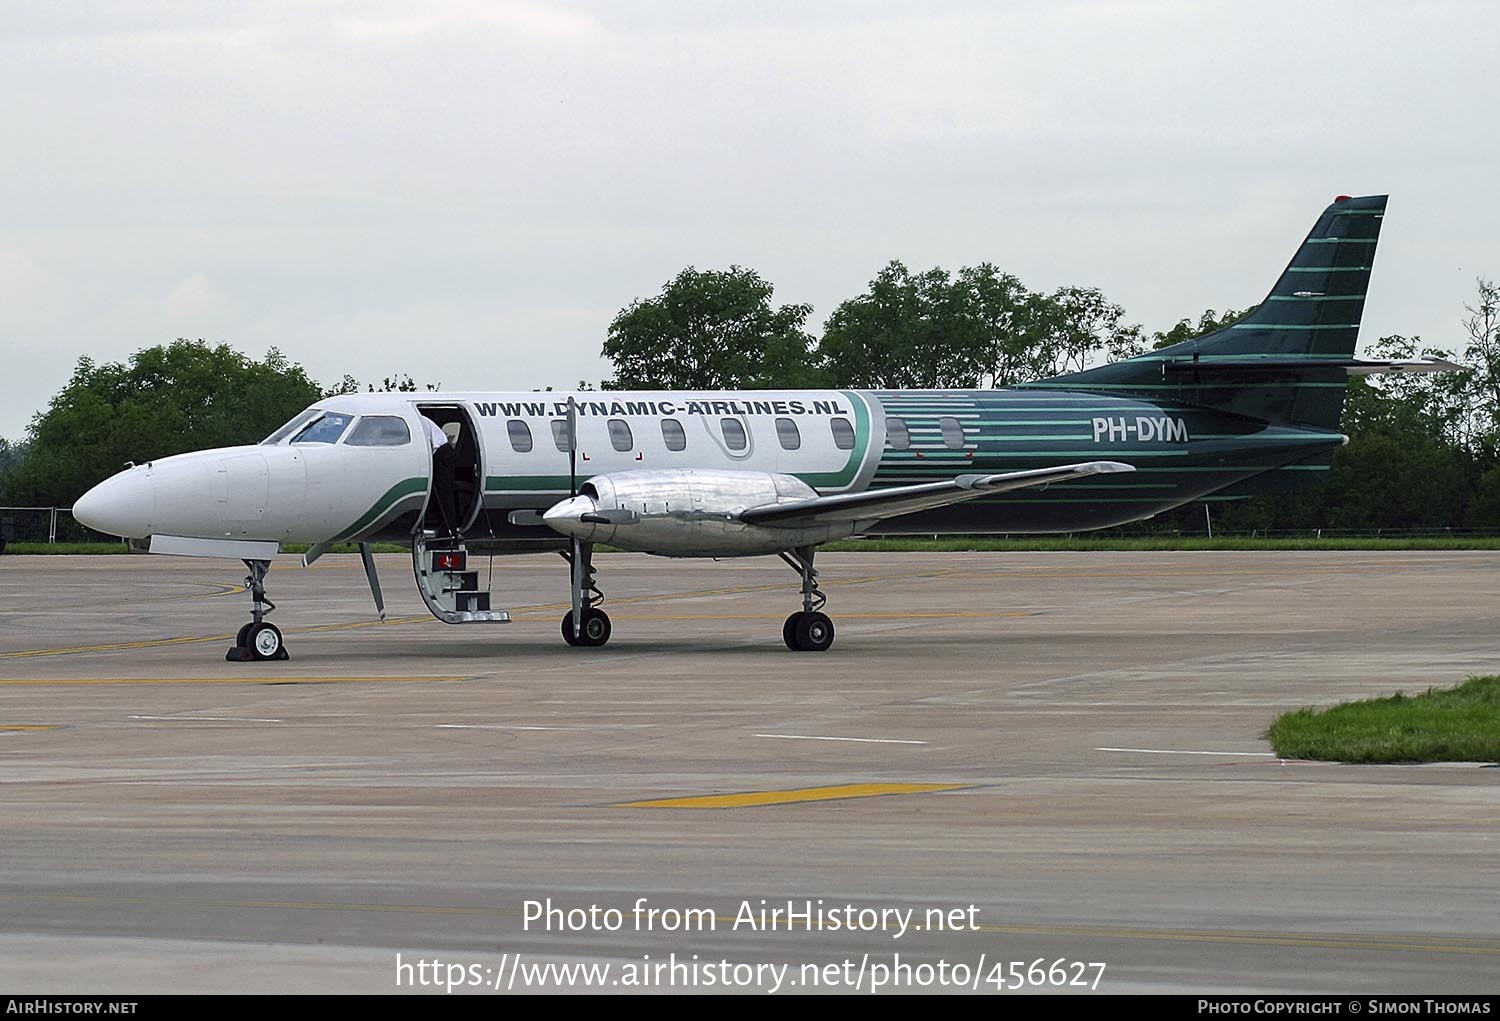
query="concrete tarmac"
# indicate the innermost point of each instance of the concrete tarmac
(1005, 759)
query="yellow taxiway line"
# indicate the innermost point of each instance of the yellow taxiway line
(32, 682)
(751, 799)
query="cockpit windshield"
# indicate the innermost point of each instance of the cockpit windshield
(326, 429)
(295, 425)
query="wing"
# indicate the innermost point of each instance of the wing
(876, 504)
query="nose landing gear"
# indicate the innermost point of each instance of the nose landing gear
(585, 625)
(259, 639)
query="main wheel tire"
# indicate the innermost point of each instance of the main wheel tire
(264, 641)
(596, 628)
(789, 631)
(594, 633)
(814, 632)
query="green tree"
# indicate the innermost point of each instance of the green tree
(1484, 504)
(1480, 389)
(1084, 328)
(981, 327)
(906, 332)
(399, 383)
(12, 456)
(1013, 325)
(711, 330)
(169, 399)
(1209, 322)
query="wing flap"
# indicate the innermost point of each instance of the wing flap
(876, 504)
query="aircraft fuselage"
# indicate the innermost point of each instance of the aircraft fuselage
(301, 489)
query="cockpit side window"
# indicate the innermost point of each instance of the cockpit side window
(379, 431)
(301, 419)
(327, 429)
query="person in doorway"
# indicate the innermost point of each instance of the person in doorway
(444, 473)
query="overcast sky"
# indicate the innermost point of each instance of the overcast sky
(470, 191)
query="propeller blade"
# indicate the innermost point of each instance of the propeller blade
(572, 446)
(577, 580)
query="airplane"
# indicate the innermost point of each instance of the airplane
(1250, 408)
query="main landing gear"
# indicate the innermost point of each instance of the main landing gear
(585, 624)
(808, 630)
(258, 639)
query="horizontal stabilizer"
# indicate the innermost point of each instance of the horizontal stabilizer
(1249, 366)
(1402, 366)
(877, 504)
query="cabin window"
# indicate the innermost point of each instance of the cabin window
(520, 435)
(619, 435)
(953, 433)
(379, 431)
(896, 434)
(843, 433)
(560, 434)
(673, 435)
(296, 423)
(786, 432)
(734, 433)
(327, 429)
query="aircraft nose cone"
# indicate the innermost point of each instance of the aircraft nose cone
(121, 505)
(566, 517)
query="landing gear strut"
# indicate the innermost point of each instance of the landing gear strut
(585, 624)
(809, 630)
(258, 639)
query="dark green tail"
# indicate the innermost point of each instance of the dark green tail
(1286, 361)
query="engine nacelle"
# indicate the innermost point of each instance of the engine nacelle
(687, 513)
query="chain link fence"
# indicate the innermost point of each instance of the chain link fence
(45, 524)
(57, 524)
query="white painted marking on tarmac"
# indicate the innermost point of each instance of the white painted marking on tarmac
(516, 726)
(861, 740)
(1176, 751)
(212, 719)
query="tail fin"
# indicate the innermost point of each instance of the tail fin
(1287, 361)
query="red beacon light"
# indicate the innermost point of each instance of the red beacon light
(447, 561)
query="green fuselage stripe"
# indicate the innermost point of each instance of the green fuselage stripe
(400, 491)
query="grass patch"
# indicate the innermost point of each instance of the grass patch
(1459, 724)
(1057, 544)
(35, 548)
(59, 548)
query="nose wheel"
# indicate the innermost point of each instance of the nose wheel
(259, 639)
(585, 626)
(810, 629)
